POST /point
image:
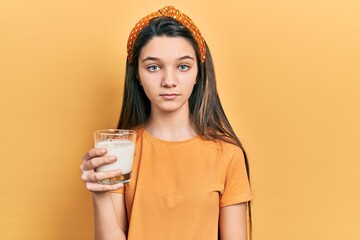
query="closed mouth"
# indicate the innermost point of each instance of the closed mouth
(169, 94)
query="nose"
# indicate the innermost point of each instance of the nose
(169, 79)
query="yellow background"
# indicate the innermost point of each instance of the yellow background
(288, 75)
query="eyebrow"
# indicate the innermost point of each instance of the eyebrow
(186, 57)
(150, 59)
(157, 59)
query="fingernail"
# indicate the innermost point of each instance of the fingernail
(102, 150)
(112, 158)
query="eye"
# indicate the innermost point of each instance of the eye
(153, 68)
(183, 67)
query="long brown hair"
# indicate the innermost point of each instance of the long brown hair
(206, 111)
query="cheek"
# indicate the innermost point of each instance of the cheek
(147, 81)
(149, 90)
(194, 75)
(188, 88)
(190, 80)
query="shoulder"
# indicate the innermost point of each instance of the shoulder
(232, 153)
(225, 149)
(139, 131)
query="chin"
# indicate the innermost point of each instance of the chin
(171, 108)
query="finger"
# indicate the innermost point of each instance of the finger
(96, 162)
(94, 152)
(97, 187)
(98, 176)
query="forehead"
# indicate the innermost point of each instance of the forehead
(167, 48)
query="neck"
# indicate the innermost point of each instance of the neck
(173, 126)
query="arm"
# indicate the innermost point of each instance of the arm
(233, 225)
(109, 208)
(110, 216)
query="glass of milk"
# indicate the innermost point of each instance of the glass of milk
(119, 143)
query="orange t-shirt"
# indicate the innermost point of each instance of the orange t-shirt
(177, 188)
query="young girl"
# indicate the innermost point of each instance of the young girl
(190, 174)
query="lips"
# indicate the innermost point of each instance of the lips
(169, 96)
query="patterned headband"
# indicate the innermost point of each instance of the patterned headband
(168, 11)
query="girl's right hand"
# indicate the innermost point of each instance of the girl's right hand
(91, 160)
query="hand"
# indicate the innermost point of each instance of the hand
(91, 160)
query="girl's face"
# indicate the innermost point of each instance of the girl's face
(167, 72)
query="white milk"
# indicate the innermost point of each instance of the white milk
(124, 152)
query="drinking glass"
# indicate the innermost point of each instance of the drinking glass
(119, 143)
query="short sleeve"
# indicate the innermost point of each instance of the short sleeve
(236, 186)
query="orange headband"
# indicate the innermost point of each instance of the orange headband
(168, 11)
